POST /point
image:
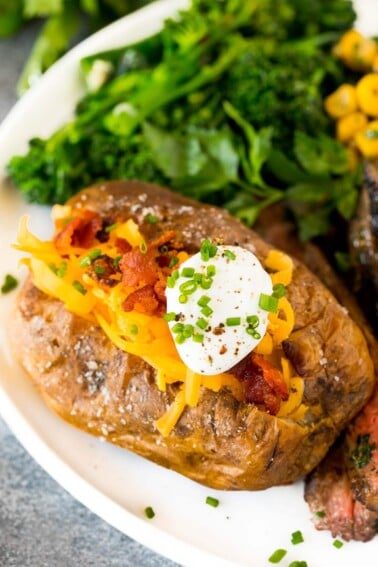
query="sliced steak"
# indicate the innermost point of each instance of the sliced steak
(332, 502)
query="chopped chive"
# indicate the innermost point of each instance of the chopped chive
(197, 337)
(211, 501)
(297, 537)
(277, 555)
(171, 282)
(59, 271)
(110, 227)
(213, 250)
(202, 323)
(79, 287)
(255, 334)
(203, 300)
(187, 288)
(116, 261)
(211, 271)
(206, 283)
(207, 311)
(173, 261)
(99, 269)
(187, 272)
(207, 250)
(253, 321)
(180, 338)
(143, 247)
(183, 298)
(229, 255)
(149, 512)
(152, 219)
(171, 316)
(9, 284)
(298, 564)
(197, 277)
(62, 269)
(87, 260)
(177, 328)
(232, 321)
(338, 544)
(279, 290)
(268, 303)
(134, 329)
(188, 331)
(175, 275)
(163, 249)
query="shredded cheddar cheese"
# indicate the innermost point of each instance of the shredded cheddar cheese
(64, 277)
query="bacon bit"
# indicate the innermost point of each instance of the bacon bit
(139, 268)
(272, 375)
(164, 260)
(142, 267)
(264, 384)
(159, 288)
(122, 245)
(143, 300)
(79, 231)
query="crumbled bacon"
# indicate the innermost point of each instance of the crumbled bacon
(80, 231)
(143, 300)
(139, 268)
(122, 245)
(264, 384)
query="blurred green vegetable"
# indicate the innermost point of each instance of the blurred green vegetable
(225, 105)
(65, 20)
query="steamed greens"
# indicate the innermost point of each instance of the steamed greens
(224, 105)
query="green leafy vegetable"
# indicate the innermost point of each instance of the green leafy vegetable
(225, 105)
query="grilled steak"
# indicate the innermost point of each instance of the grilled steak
(332, 502)
(364, 244)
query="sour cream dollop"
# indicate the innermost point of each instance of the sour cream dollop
(213, 308)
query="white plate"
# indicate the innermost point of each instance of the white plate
(115, 484)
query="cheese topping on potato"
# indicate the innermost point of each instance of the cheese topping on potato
(214, 307)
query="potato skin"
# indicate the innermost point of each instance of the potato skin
(222, 443)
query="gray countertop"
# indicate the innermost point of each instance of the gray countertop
(40, 523)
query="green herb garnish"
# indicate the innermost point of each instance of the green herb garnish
(277, 556)
(297, 537)
(79, 287)
(230, 255)
(149, 512)
(233, 321)
(152, 219)
(337, 543)
(9, 284)
(268, 303)
(87, 260)
(362, 454)
(211, 501)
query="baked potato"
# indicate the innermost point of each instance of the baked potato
(223, 441)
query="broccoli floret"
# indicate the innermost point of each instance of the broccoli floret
(53, 172)
(284, 89)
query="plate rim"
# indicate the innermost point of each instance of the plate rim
(146, 533)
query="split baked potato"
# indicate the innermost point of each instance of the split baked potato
(223, 441)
